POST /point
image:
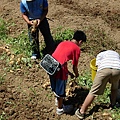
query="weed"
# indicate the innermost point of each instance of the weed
(85, 79)
(115, 114)
(3, 30)
(2, 116)
(2, 79)
(33, 90)
(61, 34)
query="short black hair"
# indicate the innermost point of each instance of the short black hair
(79, 35)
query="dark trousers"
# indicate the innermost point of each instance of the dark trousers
(34, 38)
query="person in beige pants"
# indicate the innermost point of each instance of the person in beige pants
(108, 63)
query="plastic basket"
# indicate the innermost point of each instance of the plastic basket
(49, 64)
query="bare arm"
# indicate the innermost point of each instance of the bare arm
(75, 70)
(71, 74)
(25, 17)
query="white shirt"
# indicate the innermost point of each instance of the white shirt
(108, 59)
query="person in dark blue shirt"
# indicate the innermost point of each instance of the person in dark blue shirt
(35, 11)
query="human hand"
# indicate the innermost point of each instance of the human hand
(71, 75)
(30, 22)
(38, 22)
(77, 75)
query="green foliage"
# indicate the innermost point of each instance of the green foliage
(1, 79)
(61, 34)
(20, 44)
(115, 113)
(3, 30)
(85, 80)
(2, 116)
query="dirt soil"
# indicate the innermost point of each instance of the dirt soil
(25, 93)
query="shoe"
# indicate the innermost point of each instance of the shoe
(79, 115)
(59, 111)
(66, 109)
(33, 57)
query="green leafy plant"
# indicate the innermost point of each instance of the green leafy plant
(63, 34)
(2, 116)
(115, 113)
(3, 30)
(2, 79)
(85, 79)
(20, 44)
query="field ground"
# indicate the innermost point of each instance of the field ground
(22, 95)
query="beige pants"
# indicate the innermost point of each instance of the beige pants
(102, 78)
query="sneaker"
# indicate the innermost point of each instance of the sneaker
(79, 115)
(59, 111)
(33, 57)
(65, 109)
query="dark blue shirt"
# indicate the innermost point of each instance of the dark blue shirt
(34, 9)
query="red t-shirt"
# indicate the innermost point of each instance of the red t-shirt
(64, 52)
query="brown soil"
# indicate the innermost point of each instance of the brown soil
(25, 93)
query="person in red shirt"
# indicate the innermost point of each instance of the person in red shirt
(66, 51)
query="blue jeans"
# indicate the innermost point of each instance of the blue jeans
(34, 38)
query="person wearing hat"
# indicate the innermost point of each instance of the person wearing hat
(34, 13)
